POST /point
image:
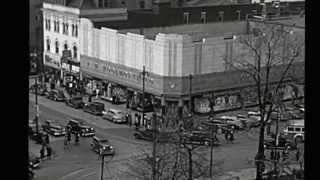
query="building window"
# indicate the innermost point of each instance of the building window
(55, 26)
(65, 46)
(141, 4)
(48, 26)
(221, 13)
(238, 14)
(103, 3)
(57, 47)
(186, 17)
(48, 45)
(74, 30)
(203, 17)
(96, 65)
(75, 52)
(65, 28)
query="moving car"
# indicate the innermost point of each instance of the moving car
(95, 108)
(198, 137)
(283, 143)
(34, 161)
(101, 146)
(232, 121)
(80, 127)
(41, 90)
(75, 102)
(148, 135)
(52, 129)
(56, 95)
(115, 115)
(248, 122)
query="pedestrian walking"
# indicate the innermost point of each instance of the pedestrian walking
(226, 136)
(77, 136)
(298, 155)
(42, 153)
(47, 139)
(49, 152)
(231, 136)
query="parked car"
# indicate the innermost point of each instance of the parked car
(295, 131)
(95, 108)
(75, 102)
(52, 129)
(34, 161)
(80, 127)
(56, 95)
(115, 99)
(115, 115)
(102, 146)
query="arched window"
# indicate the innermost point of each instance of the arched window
(65, 46)
(57, 46)
(75, 52)
(48, 44)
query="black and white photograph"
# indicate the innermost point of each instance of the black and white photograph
(166, 90)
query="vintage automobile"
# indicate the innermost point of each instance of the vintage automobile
(56, 95)
(75, 102)
(95, 108)
(78, 126)
(199, 138)
(232, 121)
(283, 143)
(34, 161)
(248, 122)
(115, 115)
(102, 146)
(52, 129)
(148, 135)
(41, 90)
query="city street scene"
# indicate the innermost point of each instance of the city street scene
(166, 90)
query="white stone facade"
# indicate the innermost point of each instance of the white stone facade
(60, 14)
(166, 55)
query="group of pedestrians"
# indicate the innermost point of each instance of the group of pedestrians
(229, 136)
(67, 139)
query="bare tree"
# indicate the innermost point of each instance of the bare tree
(267, 57)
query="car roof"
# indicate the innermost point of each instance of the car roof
(115, 110)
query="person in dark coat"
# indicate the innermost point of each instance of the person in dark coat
(49, 152)
(226, 135)
(47, 139)
(298, 155)
(231, 137)
(42, 153)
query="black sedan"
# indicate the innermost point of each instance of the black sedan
(53, 129)
(75, 102)
(95, 108)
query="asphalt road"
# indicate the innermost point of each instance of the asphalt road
(79, 162)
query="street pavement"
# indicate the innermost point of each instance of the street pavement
(81, 163)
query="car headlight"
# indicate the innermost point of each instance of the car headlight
(103, 147)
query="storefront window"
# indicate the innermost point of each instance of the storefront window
(57, 47)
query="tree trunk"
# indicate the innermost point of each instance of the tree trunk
(260, 154)
(190, 164)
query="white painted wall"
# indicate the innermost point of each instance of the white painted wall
(62, 14)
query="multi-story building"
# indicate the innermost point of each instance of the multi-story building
(61, 21)
(113, 60)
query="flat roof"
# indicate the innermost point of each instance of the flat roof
(195, 31)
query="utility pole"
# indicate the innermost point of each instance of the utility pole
(102, 164)
(154, 145)
(190, 89)
(37, 106)
(143, 96)
(212, 101)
